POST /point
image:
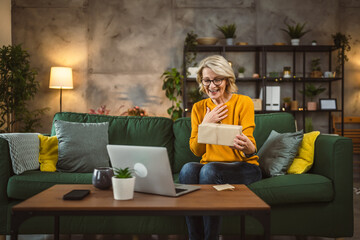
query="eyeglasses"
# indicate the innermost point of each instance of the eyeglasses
(216, 81)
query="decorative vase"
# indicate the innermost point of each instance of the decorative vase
(295, 41)
(123, 188)
(311, 106)
(294, 105)
(102, 177)
(229, 41)
(287, 106)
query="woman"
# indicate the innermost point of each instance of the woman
(219, 164)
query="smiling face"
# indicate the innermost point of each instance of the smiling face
(217, 93)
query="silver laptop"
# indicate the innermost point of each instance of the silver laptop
(151, 167)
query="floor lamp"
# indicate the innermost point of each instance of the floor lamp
(61, 78)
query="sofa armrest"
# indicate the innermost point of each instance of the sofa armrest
(5, 169)
(334, 160)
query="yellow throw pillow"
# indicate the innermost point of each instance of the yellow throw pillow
(48, 154)
(305, 156)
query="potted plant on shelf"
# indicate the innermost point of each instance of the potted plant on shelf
(123, 183)
(241, 71)
(311, 91)
(229, 33)
(295, 32)
(287, 103)
(315, 68)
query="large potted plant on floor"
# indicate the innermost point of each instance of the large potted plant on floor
(17, 86)
(295, 32)
(123, 183)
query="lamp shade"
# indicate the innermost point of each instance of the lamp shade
(61, 77)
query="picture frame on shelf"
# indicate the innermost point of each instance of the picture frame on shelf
(328, 104)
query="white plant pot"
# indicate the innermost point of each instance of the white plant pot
(295, 42)
(123, 188)
(241, 75)
(229, 41)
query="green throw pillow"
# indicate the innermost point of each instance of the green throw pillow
(82, 146)
(278, 152)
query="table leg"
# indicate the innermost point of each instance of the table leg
(56, 227)
(242, 227)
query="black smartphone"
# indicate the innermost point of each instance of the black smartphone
(77, 194)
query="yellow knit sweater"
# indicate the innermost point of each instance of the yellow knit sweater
(241, 112)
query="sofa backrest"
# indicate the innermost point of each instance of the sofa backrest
(280, 122)
(129, 130)
(160, 131)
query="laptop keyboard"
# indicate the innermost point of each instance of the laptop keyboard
(179, 190)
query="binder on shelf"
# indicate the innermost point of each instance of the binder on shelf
(272, 101)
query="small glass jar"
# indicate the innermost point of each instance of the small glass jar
(287, 72)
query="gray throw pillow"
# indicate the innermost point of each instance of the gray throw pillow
(82, 146)
(278, 152)
(24, 151)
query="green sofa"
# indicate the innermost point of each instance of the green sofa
(318, 203)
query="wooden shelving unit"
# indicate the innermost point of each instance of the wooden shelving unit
(260, 66)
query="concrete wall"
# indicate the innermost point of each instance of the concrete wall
(119, 49)
(5, 22)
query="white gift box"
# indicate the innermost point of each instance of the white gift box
(219, 134)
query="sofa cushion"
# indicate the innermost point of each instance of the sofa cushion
(30, 183)
(82, 146)
(48, 153)
(24, 151)
(278, 152)
(305, 156)
(182, 152)
(289, 189)
(280, 122)
(130, 130)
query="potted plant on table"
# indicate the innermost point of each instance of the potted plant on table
(311, 91)
(295, 32)
(123, 183)
(229, 33)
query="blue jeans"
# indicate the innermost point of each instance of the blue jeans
(208, 227)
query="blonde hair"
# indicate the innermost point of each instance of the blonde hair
(219, 65)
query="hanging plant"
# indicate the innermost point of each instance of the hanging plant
(342, 42)
(172, 84)
(17, 86)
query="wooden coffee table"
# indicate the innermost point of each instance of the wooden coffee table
(206, 201)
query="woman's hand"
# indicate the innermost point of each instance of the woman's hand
(243, 143)
(215, 115)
